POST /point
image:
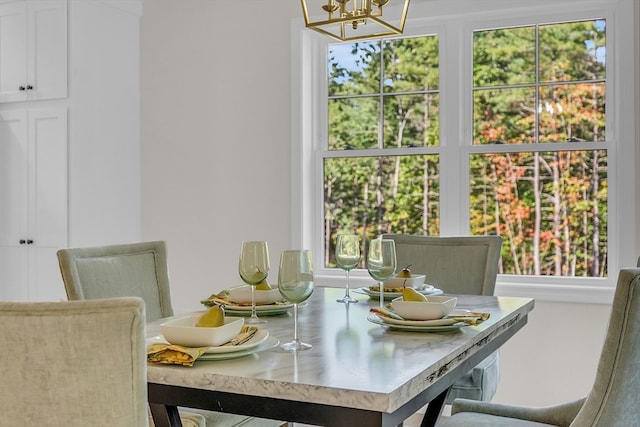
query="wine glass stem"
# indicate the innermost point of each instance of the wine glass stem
(381, 284)
(346, 291)
(253, 303)
(295, 322)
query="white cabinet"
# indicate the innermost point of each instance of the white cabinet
(69, 165)
(33, 203)
(33, 50)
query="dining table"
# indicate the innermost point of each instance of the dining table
(357, 373)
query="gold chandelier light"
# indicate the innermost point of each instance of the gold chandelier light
(347, 20)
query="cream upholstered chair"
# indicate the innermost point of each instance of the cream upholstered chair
(613, 399)
(457, 265)
(135, 269)
(65, 363)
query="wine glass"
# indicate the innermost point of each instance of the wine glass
(254, 268)
(347, 258)
(381, 262)
(295, 282)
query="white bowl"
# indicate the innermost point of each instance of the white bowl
(415, 281)
(242, 295)
(436, 308)
(184, 332)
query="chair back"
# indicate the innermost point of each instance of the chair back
(72, 362)
(457, 265)
(138, 270)
(613, 400)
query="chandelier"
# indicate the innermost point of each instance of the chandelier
(346, 20)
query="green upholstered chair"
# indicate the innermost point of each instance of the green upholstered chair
(613, 399)
(66, 363)
(137, 269)
(141, 270)
(458, 265)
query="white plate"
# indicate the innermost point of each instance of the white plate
(436, 322)
(260, 337)
(242, 294)
(375, 319)
(388, 296)
(259, 308)
(268, 343)
(263, 313)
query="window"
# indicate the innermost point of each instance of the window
(541, 89)
(491, 123)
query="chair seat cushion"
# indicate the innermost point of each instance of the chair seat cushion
(219, 419)
(480, 383)
(189, 419)
(466, 419)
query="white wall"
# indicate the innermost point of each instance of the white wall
(215, 136)
(215, 161)
(104, 97)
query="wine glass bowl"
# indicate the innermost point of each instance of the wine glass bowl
(381, 262)
(347, 258)
(253, 267)
(296, 284)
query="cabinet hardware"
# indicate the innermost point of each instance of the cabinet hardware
(22, 241)
(29, 242)
(22, 88)
(29, 87)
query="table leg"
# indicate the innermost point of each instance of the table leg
(165, 415)
(434, 410)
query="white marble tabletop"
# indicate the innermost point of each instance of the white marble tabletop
(353, 363)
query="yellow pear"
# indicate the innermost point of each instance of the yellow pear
(213, 318)
(405, 273)
(410, 294)
(264, 286)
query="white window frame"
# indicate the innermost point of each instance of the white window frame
(455, 29)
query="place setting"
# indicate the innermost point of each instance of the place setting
(413, 311)
(392, 287)
(257, 296)
(208, 336)
(237, 301)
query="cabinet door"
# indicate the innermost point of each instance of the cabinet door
(47, 205)
(33, 50)
(13, 51)
(33, 203)
(13, 205)
(47, 47)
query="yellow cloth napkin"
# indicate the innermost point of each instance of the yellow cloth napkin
(223, 299)
(471, 317)
(173, 354)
